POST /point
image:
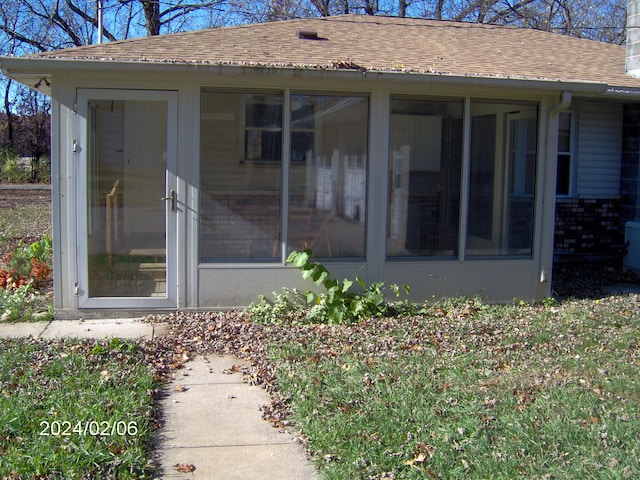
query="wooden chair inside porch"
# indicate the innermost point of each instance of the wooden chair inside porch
(304, 228)
(113, 239)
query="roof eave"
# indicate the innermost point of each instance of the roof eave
(36, 73)
(622, 93)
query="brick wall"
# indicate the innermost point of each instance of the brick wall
(588, 228)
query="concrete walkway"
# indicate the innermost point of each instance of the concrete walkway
(214, 423)
(213, 427)
(131, 328)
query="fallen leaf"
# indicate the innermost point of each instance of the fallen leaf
(233, 369)
(419, 459)
(184, 467)
(180, 388)
(115, 449)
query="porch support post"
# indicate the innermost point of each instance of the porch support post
(378, 184)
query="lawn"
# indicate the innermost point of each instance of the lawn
(466, 390)
(72, 409)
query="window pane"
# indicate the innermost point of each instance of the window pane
(328, 175)
(502, 179)
(424, 177)
(565, 153)
(483, 173)
(263, 145)
(564, 132)
(126, 181)
(263, 111)
(240, 176)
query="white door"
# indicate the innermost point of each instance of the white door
(127, 199)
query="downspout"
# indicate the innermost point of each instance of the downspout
(565, 102)
(546, 254)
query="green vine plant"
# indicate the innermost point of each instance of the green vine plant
(337, 304)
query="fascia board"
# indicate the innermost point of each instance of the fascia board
(30, 70)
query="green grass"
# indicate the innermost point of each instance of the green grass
(73, 409)
(470, 391)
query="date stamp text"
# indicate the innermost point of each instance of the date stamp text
(92, 428)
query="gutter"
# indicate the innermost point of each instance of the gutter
(622, 93)
(31, 70)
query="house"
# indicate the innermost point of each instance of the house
(436, 154)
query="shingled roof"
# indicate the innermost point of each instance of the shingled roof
(379, 44)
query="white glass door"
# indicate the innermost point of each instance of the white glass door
(127, 199)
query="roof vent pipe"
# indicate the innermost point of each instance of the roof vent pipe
(100, 6)
(308, 34)
(633, 38)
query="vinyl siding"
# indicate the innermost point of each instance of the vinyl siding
(599, 149)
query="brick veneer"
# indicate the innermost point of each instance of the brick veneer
(588, 228)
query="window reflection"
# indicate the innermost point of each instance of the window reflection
(502, 179)
(240, 176)
(424, 177)
(328, 183)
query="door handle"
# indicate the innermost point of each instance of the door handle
(171, 198)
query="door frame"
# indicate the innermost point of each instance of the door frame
(82, 191)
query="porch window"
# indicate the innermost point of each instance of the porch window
(424, 177)
(328, 174)
(240, 175)
(565, 153)
(241, 169)
(502, 179)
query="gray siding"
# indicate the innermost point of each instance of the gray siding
(599, 149)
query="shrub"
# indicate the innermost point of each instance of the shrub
(12, 172)
(27, 264)
(284, 305)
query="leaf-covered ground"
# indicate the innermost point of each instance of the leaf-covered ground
(464, 390)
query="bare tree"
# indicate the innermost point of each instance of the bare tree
(171, 15)
(28, 26)
(33, 129)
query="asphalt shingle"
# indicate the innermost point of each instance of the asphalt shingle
(379, 44)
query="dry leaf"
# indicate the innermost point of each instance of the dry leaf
(116, 449)
(180, 388)
(184, 467)
(419, 459)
